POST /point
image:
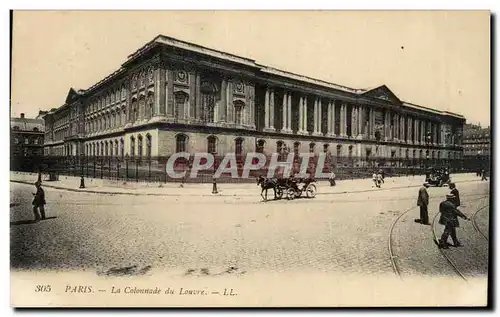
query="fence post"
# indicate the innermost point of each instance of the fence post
(166, 170)
(126, 168)
(117, 169)
(136, 170)
(149, 169)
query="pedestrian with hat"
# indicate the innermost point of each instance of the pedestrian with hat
(454, 192)
(39, 202)
(449, 219)
(423, 203)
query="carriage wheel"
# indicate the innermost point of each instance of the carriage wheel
(279, 193)
(311, 191)
(290, 193)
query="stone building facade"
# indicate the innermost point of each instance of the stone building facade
(26, 136)
(476, 141)
(172, 96)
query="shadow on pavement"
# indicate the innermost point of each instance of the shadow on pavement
(27, 222)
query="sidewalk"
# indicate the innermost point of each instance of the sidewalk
(102, 186)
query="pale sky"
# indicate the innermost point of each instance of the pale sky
(437, 59)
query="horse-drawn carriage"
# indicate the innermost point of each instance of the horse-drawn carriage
(437, 177)
(291, 187)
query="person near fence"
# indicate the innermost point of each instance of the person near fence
(454, 192)
(39, 202)
(449, 219)
(423, 203)
(375, 180)
(331, 178)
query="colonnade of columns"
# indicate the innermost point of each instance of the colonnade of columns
(348, 120)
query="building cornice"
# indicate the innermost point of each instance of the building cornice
(261, 72)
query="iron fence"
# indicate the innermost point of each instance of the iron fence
(154, 169)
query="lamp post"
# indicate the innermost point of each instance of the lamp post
(82, 181)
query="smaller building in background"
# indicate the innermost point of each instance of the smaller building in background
(476, 141)
(26, 136)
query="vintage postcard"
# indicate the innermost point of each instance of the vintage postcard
(250, 158)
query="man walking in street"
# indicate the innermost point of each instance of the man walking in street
(449, 219)
(331, 179)
(483, 174)
(454, 192)
(39, 202)
(423, 203)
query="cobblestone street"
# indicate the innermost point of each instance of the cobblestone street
(346, 233)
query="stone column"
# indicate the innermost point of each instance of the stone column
(329, 119)
(284, 109)
(266, 110)
(289, 113)
(301, 116)
(435, 133)
(251, 92)
(333, 118)
(229, 102)
(199, 112)
(271, 109)
(315, 116)
(387, 125)
(160, 92)
(191, 113)
(170, 93)
(361, 120)
(223, 101)
(304, 117)
(342, 121)
(354, 127)
(370, 124)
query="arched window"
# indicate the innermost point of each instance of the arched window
(132, 146)
(259, 146)
(407, 154)
(339, 150)
(414, 153)
(35, 129)
(148, 145)
(150, 105)
(106, 149)
(350, 151)
(135, 111)
(212, 144)
(296, 147)
(368, 152)
(93, 149)
(180, 99)
(326, 147)
(208, 93)
(139, 146)
(280, 149)
(239, 106)
(180, 143)
(238, 146)
(311, 147)
(439, 155)
(102, 148)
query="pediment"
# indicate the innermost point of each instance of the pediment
(383, 93)
(72, 96)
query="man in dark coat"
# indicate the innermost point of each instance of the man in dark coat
(39, 202)
(454, 192)
(449, 219)
(423, 203)
(483, 175)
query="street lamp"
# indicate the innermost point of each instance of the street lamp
(82, 181)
